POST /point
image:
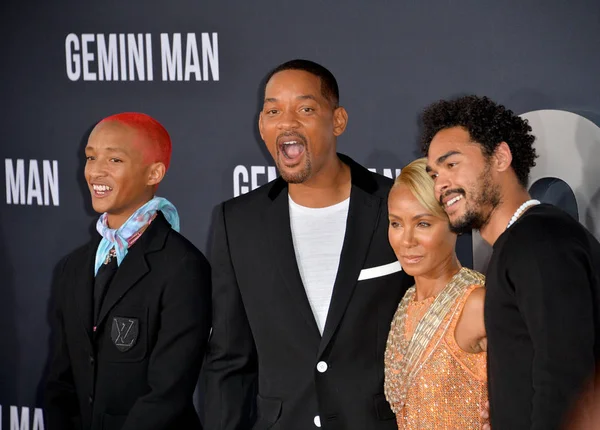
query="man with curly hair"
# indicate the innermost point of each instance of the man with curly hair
(543, 285)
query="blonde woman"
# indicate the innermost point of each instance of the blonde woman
(435, 361)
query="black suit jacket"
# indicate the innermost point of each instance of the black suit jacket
(264, 332)
(157, 310)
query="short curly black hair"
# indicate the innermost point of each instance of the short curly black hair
(329, 85)
(488, 124)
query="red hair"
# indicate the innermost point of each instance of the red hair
(149, 128)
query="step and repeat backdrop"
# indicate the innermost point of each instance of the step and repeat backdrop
(198, 67)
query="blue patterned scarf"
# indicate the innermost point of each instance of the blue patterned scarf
(118, 238)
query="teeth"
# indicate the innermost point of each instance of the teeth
(291, 142)
(101, 188)
(452, 201)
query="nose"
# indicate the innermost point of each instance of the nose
(442, 184)
(95, 169)
(288, 120)
(408, 238)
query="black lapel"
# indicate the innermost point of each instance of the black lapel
(134, 266)
(283, 255)
(84, 286)
(363, 215)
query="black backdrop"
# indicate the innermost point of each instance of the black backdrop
(391, 59)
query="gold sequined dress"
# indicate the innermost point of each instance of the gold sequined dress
(439, 386)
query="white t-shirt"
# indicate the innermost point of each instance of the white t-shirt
(318, 235)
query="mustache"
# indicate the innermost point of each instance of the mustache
(286, 135)
(449, 192)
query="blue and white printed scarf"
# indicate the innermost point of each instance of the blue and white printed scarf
(117, 238)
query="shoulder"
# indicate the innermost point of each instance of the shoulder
(468, 327)
(384, 184)
(67, 273)
(548, 223)
(475, 299)
(180, 267)
(80, 255)
(371, 182)
(255, 199)
(167, 248)
(543, 230)
(178, 247)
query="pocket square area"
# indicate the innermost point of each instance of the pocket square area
(376, 272)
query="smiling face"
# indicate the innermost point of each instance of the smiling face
(421, 240)
(119, 177)
(464, 181)
(299, 125)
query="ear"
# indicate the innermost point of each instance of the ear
(503, 157)
(261, 126)
(340, 120)
(156, 173)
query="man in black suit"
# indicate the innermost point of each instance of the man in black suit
(305, 283)
(133, 305)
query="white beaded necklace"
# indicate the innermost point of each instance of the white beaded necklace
(522, 209)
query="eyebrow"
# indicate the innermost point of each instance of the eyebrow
(109, 149)
(302, 97)
(444, 157)
(423, 215)
(307, 97)
(441, 159)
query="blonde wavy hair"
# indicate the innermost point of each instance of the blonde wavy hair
(415, 177)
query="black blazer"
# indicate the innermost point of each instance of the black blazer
(264, 332)
(139, 369)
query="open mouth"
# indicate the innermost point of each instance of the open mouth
(101, 190)
(453, 201)
(292, 148)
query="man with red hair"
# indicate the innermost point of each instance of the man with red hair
(133, 305)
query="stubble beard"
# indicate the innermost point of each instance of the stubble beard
(477, 215)
(296, 177)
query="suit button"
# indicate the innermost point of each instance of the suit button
(317, 421)
(322, 366)
(91, 360)
(91, 399)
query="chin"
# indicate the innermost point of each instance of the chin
(461, 227)
(413, 269)
(295, 175)
(455, 216)
(409, 272)
(100, 207)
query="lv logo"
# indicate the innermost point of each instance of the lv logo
(124, 332)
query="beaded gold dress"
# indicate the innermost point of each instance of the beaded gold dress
(430, 382)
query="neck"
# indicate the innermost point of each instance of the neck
(431, 283)
(502, 214)
(139, 233)
(117, 219)
(331, 185)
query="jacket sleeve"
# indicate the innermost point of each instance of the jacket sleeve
(176, 359)
(231, 365)
(61, 406)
